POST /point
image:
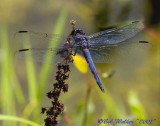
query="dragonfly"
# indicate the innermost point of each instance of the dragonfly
(95, 48)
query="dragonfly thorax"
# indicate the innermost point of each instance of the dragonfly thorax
(82, 41)
(80, 38)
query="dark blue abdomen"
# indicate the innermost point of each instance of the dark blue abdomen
(92, 68)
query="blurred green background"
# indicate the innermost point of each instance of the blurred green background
(131, 84)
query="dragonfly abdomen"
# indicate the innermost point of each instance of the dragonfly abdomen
(92, 67)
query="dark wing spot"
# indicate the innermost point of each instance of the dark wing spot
(21, 50)
(143, 42)
(22, 31)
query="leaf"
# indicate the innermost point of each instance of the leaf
(46, 68)
(135, 105)
(15, 118)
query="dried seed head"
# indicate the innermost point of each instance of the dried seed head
(72, 22)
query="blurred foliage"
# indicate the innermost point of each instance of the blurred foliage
(12, 11)
(131, 92)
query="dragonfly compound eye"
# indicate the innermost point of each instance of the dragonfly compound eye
(73, 32)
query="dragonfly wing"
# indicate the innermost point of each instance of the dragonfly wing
(102, 54)
(43, 55)
(109, 53)
(116, 35)
(40, 35)
(37, 45)
(36, 39)
(99, 54)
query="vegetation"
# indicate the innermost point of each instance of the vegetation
(132, 92)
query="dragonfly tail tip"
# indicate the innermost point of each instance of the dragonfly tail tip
(102, 90)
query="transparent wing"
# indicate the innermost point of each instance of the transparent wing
(102, 54)
(38, 54)
(35, 45)
(116, 35)
(109, 53)
(38, 35)
(36, 39)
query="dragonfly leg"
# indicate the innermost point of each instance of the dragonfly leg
(75, 52)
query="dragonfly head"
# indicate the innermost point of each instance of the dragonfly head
(77, 31)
